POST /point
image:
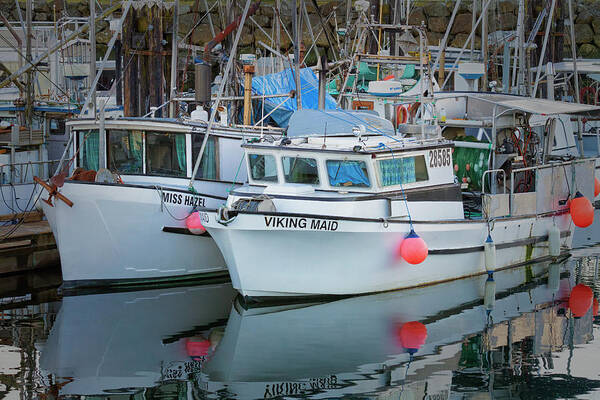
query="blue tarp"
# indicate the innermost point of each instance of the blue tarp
(337, 122)
(282, 83)
(347, 173)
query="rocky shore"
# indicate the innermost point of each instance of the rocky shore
(434, 14)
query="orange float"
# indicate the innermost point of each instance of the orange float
(582, 211)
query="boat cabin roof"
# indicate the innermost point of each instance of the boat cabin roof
(170, 125)
(507, 103)
(371, 144)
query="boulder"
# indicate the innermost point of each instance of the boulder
(201, 35)
(461, 38)
(596, 25)
(417, 15)
(436, 9)
(507, 21)
(262, 20)
(437, 24)
(597, 40)
(259, 36)
(507, 6)
(584, 17)
(583, 33)
(462, 23)
(104, 36)
(587, 50)
(41, 16)
(247, 38)
(434, 38)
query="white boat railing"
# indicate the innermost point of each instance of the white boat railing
(561, 187)
(491, 171)
(23, 173)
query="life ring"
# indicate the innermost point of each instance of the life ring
(401, 115)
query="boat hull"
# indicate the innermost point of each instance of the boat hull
(334, 256)
(123, 234)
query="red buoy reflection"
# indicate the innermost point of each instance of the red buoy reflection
(581, 300)
(412, 336)
(197, 347)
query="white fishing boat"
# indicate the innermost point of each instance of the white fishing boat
(130, 224)
(338, 216)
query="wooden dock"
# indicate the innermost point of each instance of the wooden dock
(28, 246)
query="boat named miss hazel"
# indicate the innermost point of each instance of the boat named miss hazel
(127, 221)
(363, 214)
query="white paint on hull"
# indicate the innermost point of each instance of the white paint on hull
(116, 232)
(360, 257)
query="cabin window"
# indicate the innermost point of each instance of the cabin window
(208, 165)
(125, 151)
(165, 154)
(399, 171)
(300, 170)
(344, 173)
(88, 149)
(263, 167)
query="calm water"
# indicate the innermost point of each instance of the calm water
(529, 335)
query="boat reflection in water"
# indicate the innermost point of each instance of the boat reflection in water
(460, 338)
(124, 342)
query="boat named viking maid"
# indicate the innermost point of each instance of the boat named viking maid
(356, 213)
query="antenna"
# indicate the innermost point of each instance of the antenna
(325, 136)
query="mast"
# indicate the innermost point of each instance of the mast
(484, 48)
(521, 48)
(175, 47)
(29, 92)
(211, 121)
(92, 36)
(296, 29)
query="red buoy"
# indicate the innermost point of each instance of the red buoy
(413, 248)
(596, 187)
(581, 300)
(194, 223)
(582, 211)
(197, 347)
(412, 336)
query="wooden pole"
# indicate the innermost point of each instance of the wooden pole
(248, 72)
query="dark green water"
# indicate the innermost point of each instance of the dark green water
(534, 337)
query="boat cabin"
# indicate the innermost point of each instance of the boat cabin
(370, 165)
(153, 147)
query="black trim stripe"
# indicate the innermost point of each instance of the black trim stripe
(182, 231)
(129, 185)
(382, 220)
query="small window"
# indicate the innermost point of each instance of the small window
(300, 170)
(399, 171)
(57, 127)
(348, 173)
(263, 167)
(208, 165)
(88, 149)
(125, 151)
(165, 154)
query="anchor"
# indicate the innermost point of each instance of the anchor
(53, 191)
